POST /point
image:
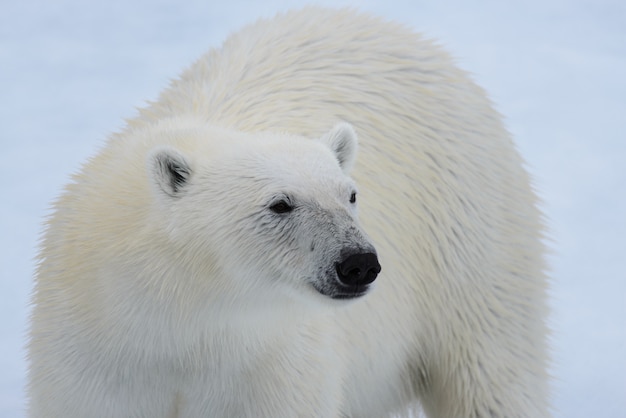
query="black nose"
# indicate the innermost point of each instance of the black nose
(358, 269)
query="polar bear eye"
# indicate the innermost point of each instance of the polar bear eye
(281, 207)
(353, 197)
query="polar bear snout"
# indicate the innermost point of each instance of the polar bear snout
(353, 275)
(358, 269)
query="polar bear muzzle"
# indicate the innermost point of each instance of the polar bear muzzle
(353, 275)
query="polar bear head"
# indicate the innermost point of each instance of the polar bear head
(248, 213)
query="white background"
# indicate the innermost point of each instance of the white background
(72, 70)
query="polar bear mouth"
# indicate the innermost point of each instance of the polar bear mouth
(339, 292)
(351, 295)
(331, 287)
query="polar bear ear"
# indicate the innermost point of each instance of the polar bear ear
(169, 170)
(342, 141)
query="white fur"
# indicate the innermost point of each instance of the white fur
(162, 299)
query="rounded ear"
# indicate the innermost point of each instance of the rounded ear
(343, 142)
(169, 170)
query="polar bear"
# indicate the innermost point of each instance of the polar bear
(210, 260)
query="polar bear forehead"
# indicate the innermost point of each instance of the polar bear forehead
(259, 167)
(335, 149)
(297, 161)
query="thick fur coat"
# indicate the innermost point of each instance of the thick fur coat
(198, 265)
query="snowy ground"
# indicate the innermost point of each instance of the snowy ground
(71, 70)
